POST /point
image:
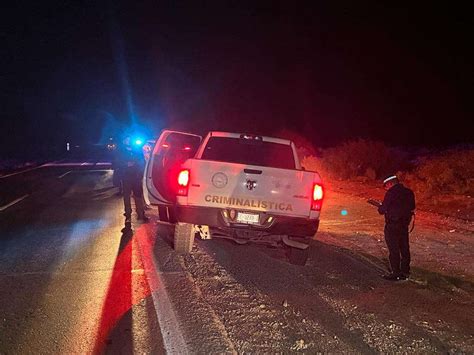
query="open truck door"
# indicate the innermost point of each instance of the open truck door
(171, 150)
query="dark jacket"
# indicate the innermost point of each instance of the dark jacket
(398, 205)
(130, 161)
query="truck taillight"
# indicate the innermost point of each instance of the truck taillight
(183, 182)
(318, 195)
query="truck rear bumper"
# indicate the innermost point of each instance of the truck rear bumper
(280, 225)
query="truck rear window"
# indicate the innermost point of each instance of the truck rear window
(249, 152)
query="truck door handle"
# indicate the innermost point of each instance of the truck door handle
(252, 171)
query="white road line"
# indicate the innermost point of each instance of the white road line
(74, 164)
(93, 171)
(173, 339)
(79, 171)
(55, 164)
(22, 171)
(63, 175)
(3, 208)
(63, 164)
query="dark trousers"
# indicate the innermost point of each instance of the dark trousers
(132, 183)
(396, 237)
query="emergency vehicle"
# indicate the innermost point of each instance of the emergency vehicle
(244, 187)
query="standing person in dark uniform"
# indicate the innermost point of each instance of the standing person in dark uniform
(398, 207)
(116, 177)
(132, 165)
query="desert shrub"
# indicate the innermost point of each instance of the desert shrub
(357, 159)
(370, 174)
(312, 163)
(448, 173)
(370, 159)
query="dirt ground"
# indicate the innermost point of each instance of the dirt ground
(459, 207)
(439, 243)
(338, 303)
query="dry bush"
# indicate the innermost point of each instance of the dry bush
(312, 163)
(449, 173)
(363, 158)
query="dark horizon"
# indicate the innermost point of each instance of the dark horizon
(330, 73)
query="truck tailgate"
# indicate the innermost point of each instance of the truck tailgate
(250, 188)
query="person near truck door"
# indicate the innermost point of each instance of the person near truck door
(132, 164)
(116, 172)
(398, 208)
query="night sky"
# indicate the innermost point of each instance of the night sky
(84, 70)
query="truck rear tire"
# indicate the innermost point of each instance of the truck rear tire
(183, 237)
(298, 256)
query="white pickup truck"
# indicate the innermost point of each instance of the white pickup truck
(243, 187)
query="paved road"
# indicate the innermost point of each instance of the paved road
(72, 282)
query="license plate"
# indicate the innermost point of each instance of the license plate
(248, 218)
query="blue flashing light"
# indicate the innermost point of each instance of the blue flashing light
(344, 213)
(138, 141)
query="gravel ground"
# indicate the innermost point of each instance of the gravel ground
(338, 302)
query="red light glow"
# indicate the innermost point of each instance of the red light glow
(183, 178)
(317, 192)
(318, 195)
(126, 288)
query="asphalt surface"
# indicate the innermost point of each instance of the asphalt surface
(72, 282)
